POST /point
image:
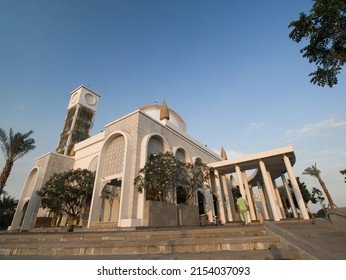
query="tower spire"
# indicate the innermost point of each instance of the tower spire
(164, 113)
(223, 154)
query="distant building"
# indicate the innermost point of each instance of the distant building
(117, 154)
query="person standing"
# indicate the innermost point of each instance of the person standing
(242, 208)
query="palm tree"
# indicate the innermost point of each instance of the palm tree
(7, 208)
(14, 146)
(313, 171)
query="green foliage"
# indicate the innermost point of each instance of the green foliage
(161, 172)
(304, 191)
(16, 145)
(325, 28)
(306, 194)
(7, 209)
(68, 191)
(164, 171)
(13, 146)
(316, 196)
(315, 172)
(197, 177)
(312, 171)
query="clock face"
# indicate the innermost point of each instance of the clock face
(89, 99)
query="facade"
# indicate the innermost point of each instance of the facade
(122, 149)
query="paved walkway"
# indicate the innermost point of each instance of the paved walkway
(317, 239)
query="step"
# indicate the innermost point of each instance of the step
(233, 242)
(133, 235)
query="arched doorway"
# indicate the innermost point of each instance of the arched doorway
(111, 194)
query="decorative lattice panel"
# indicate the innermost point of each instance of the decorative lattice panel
(114, 157)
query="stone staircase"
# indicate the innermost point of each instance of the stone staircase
(235, 242)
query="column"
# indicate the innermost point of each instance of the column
(240, 181)
(278, 196)
(208, 195)
(219, 196)
(263, 201)
(249, 198)
(289, 196)
(271, 195)
(233, 207)
(296, 189)
(272, 189)
(227, 199)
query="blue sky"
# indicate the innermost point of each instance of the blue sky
(227, 67)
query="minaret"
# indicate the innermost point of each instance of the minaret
(223, 154)
(164, 113)
(79, 119)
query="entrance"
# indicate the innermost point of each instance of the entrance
(111, 194)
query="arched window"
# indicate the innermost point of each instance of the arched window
(155, 145)
(181, 154)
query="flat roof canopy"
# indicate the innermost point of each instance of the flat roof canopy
(273, 160)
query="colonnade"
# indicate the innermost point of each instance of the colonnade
(269, 204)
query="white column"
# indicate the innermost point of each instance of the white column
(211, 213)
(240, 181)
(270, 192)
(233, 207)
(290, 199)
(219, 197)
(263, 200)
(296, 189)
(278, 196)
(227, 197)
(249, 197)
(208, 195)
(274, 194)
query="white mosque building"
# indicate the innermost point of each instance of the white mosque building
(122, 149)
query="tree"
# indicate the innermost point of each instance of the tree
(343, 172)
(160, 173)
(14, 146)
(316, 196)
(325, 28)
(198, 175)
(313, 171)
(68, 192)
(163, 171)
(306, 195)
(8, 206)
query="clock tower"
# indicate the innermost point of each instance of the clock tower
(79, 119)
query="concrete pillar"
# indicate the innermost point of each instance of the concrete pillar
(270, 192)
(228, 198)
(296, 189)
(249, 198)
(233, 207)
(278, 196)
(240, 181)
(290, 199)
(272, 189)
(219, 195)
(263, 201)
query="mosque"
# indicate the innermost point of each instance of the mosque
(117, 154)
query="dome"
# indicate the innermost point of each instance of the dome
(162, 112)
